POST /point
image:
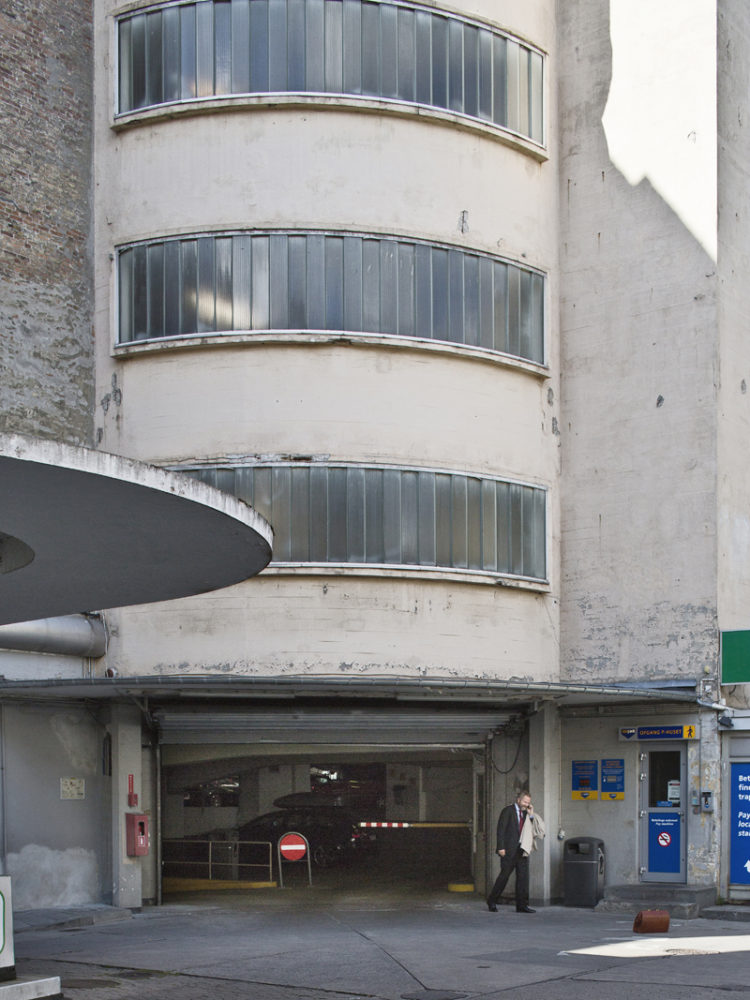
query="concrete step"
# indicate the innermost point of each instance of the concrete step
(684, 901)
(727, 911)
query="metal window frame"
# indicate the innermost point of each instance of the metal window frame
(381, 238)
(450, 16)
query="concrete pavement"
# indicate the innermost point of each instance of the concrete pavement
(380, 944)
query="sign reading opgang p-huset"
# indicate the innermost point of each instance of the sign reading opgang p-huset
(739, 849)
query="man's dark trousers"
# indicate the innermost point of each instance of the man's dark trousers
(511, 861)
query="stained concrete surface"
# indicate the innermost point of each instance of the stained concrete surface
(385, 944)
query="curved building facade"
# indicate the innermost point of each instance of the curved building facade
(325, 262)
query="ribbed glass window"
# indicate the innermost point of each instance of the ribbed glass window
(335, 282)
(393, 516)
(362, 48)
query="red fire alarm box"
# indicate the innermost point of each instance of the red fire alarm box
(136, 834)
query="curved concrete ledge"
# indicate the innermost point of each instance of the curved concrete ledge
(106, 531)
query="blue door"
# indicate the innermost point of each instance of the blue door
(663, 811)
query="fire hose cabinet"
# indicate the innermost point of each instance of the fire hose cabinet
(583, 871)
(136, 835)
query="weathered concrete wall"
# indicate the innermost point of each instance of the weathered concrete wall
(375, 624)
(57, 847)
(46, 349)
(639, 350)
(734, 308)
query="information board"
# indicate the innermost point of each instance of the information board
(739, 844)
(585, 779)
(613, 779)
(663, 843)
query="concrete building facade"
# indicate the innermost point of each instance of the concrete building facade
(452, 294)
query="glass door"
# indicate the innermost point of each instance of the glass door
(662, 813)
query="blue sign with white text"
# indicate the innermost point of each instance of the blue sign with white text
(739, 845)
(664, 842)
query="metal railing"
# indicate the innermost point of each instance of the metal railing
(226, 860)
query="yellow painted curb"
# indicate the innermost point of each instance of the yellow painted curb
(205, 884)
(460, 887)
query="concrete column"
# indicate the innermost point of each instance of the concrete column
(544, 785)
(125, 728)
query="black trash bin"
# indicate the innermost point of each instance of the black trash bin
(583, 871)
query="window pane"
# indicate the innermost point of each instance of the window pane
(513, 94)
(337, 511)
(536, 349)
(315, 256)
(171, 288)
(374, 543)
(440, 294)
(334, 76)
(206, 286)
(474, 523)
(503, 528)
(423, 291)
(514, 311)
(392, 515)
(371, 285)
(279, 274)
(240, 46)
(126, 295)
(486, 305)
(459, 525)
(355, 515)
(516, 528)
(224, 320)
(409, 512)
(156, 290)
(297, 282)
(456, 293)
(125, 60)
(277, 61)
(352, 43)
(171, 73)
(485, 75)
(281, 486)
(389, 51)
(299, 547)
(471, 299)
(352, 284)
(261, 300)
(499, 81)
(258, 46)
(263, 493)
(318, 514)
(138, 60)
(189, 307)
(423, 48)
(140, 293)
(501, 306)
(536, 102)
(334, 284)
(204, 32)
(439, 62)
(406, 60)
(296, 44)
(455, 65)
(242, 262)
(388, 287)
(406, 276)
(489, 525)
(223, 47)
(426, 500)
(154, 85)
(189, 85)
(443, 520)
(370, 49)
(471, 71)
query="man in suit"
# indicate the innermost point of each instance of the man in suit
(512, 856)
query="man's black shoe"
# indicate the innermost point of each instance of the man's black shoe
(524, 909)
(491, 907)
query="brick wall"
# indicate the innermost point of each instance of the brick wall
(46, 348)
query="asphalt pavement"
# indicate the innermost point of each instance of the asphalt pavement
(385, 943)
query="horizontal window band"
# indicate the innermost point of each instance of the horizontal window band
(370, 48)
(327, 283)
(372, 516)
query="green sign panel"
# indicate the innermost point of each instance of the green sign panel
(735, 657)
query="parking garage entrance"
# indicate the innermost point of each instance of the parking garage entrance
(384, 796)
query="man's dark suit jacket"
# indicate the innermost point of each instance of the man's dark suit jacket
(507, 830)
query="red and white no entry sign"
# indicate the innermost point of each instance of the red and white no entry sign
(293, 846)
(664, 839)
